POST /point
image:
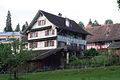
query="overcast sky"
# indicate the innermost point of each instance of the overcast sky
(78, 10)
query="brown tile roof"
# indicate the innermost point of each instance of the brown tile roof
(104, 33)
(59, 22)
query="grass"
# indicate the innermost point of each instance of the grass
(110, 73)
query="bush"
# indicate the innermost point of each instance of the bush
(80, 62)
(91, 52)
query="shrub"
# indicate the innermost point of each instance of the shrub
(91, 52)
(80, 62)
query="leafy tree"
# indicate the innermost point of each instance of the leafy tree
(81, 24)
(108, 21)
(91, 52)
(90, 22)
(13, 59)
(8, 27)
(17, 28)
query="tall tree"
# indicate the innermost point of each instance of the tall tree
(95, 23)
(90, 22)
(23, 27)
(118, 1)
(81, 24)
(108, 21)
(17, 28)
(8, 27)
(26, 24)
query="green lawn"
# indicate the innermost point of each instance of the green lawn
(111, 73)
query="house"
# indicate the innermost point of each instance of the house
(8, 37)
(49, 35)
(103, 37)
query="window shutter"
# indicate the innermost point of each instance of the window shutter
(45, 33)
(52, 43)
(53, 31)
(29, 45)
(38, 23)
(45, 44)
(35, 44)
(36, 34)
(30, 35)
(44, 21)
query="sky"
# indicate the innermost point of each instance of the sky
(77, 10)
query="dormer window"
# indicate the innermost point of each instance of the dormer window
(41, 22)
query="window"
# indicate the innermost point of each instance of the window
(33, 45)
(49, 43)
(49, 32)
(41, 22)
(33, 34)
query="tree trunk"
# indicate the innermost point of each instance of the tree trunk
(15, 75)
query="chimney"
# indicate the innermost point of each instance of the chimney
(67, 22)
(60, 14)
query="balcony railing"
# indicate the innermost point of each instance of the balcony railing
(71, 40)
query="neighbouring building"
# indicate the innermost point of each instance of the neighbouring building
(104, 37)
(49, 35)
(8, 37)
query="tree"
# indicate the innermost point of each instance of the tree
(26, 24)
(90, 22)
(8, 27)
(17, 28)
(108, 21)
(12, 56)
(91, 52)
(95, 23)
(118, 1)
(81, 24)
(23, 27)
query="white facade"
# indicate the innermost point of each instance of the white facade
(42, 34)
(98, 46)
(42, 21)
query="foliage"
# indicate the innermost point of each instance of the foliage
(79, 62)
(108, 21)
(73, 57)
(8, 27)
(12, 56)
(95, 23)
(90, 22)
(17, 28)
(81, 24)
(24, 26)
(5, 52)
(92, 52)
(118, 1)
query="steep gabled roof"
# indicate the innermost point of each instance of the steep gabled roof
(104, 33)
(59, 22)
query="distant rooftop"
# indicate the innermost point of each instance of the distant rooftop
(9, 33)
